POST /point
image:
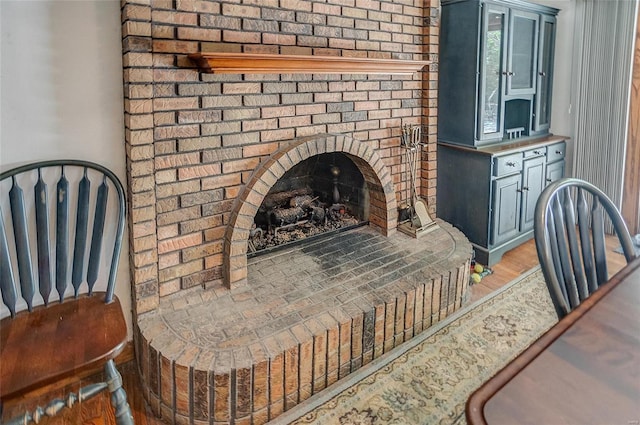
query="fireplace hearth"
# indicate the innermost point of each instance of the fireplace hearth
(289, 323)
(226, 337)
(307, 316)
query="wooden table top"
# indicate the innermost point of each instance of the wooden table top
(584, 370)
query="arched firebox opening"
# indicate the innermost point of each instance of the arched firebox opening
(329, 174)
(323, 194)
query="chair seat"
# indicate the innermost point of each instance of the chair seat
(42, 350)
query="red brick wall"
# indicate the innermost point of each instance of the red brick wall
(193, 139)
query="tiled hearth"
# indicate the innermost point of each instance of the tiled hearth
(308, 316)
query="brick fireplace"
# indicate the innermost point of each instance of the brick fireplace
(203, 150)
(383, 206)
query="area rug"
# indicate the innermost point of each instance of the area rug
(429, 379)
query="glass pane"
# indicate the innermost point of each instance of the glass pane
(545, 80)
(523, 53)
(492, 60)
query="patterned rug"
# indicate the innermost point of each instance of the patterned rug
(428, 379)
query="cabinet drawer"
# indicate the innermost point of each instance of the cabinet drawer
(555, 171)
(508, 164)
(532, 153)
(556, 152)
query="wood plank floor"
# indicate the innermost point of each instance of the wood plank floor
(98, 411)
(512, 265)
(525, 257)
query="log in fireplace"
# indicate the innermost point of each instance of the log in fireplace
(318, 196)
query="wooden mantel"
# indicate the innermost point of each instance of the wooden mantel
(260, 63)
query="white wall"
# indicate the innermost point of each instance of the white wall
(561, 116)
(61, 90)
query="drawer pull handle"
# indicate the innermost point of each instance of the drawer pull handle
(559, 152)
(537, 152)
(522, 190)
(511, 164)
(549, 180)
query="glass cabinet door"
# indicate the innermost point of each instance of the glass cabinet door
(522, 57)
(492, 63)
(545, 73)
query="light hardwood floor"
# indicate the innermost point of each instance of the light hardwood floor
(98, 411)
(512, 265)
(525, 257)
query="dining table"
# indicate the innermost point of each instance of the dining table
(584, 370)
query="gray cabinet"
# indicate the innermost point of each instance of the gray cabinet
(495, 69)
(495, 153)
(542, 114)
(555, 162)
(533, 181)
(490, 193)
(555, 171)
(492, 73)
(506, 196)
(522, 53)
(515, 195)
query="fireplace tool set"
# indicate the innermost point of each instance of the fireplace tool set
(419, 221)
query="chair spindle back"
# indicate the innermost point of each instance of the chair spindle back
(78, 211)
(569, 234)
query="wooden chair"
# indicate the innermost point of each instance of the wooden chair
(571, 248)
(56, 218)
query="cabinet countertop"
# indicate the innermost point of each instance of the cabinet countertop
(504, 148)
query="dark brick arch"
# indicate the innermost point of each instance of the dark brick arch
(383, 208)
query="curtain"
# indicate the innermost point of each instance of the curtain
(602, 64)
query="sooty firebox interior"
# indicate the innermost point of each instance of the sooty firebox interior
(321, 194)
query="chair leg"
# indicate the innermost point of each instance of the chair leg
(118, 395)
